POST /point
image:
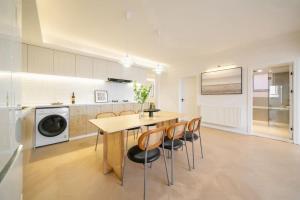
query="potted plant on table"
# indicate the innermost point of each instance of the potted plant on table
(141, 94)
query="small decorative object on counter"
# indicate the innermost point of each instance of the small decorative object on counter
(73, 98)
(141, 93)
(152, 105)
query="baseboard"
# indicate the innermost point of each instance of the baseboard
(228, 129)
(83, 136)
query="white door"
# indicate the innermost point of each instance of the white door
(188, 97)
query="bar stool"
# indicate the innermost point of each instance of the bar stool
(135, 130)
(103, 115)
(172, 142)
(191, 135)
(147, 151)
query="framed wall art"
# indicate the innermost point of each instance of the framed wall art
(222, 82)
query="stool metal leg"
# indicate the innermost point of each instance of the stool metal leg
(193, 152)
(187, 155)
(145, 175)
(172, 164)
(200, 144)
(165, 161)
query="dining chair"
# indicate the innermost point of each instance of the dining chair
(191, 135)
(99, 116)
(135, 130)
(172, 142)
(147, 151)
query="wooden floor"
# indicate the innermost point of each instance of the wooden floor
(234, 167)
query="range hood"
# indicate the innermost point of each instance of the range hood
(117, 80)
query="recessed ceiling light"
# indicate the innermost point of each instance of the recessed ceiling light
(259, 70)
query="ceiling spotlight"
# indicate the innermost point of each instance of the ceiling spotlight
(158, 69)
(259, 70)
(126, 61)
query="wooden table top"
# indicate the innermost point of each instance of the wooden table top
(120, 123)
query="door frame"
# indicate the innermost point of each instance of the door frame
(250, 99)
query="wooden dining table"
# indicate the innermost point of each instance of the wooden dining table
(113, 135)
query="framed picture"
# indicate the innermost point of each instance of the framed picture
(101, 96)
(222, 82)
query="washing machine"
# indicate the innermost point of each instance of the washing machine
(51, 125)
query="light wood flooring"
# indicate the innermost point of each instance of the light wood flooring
(235, 167)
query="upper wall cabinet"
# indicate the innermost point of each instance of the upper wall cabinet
(40, 60)
(116, 70)
(46, 61)
(64, 63)
(84, 67)
(100, 69)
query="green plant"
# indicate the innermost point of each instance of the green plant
(141, 92)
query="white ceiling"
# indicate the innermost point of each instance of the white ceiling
(167, 31)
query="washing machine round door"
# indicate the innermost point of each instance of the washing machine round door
(52, 125)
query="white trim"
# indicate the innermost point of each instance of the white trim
(83, 136)
(272, 137)
(296, 99)
(222, 128)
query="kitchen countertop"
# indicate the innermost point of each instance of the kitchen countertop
(79, 104)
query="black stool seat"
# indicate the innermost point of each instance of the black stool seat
(168, 144)
(150, 125)
(137, 155)
(133, 129)
(189, 136)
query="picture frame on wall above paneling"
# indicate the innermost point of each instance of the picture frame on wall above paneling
(101, 96)
(222, 82)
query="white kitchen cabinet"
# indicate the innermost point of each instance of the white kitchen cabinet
(116, 70)
(24, 58)
(100, 69)
(84, 67)
(40, 60)
(64, 63)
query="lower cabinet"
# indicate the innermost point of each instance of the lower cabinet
(78, 121)
(92, 111)
(80, 115)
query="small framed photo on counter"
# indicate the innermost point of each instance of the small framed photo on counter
(101, 96)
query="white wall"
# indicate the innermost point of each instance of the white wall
(283, 49)
(46, 89)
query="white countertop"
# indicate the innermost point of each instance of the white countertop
(79, 104)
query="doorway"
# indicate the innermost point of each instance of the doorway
(188, 97)
(272, 102)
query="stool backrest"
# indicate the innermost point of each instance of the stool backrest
(194, 124)
(176, 131)
(151, 139)
(105, 115)
(128, 112)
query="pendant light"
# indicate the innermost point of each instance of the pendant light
(126, 61)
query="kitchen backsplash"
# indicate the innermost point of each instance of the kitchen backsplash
(41, 89)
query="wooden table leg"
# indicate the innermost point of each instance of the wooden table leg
(113, 151)
(106, 167)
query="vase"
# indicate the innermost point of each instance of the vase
(141, 111)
